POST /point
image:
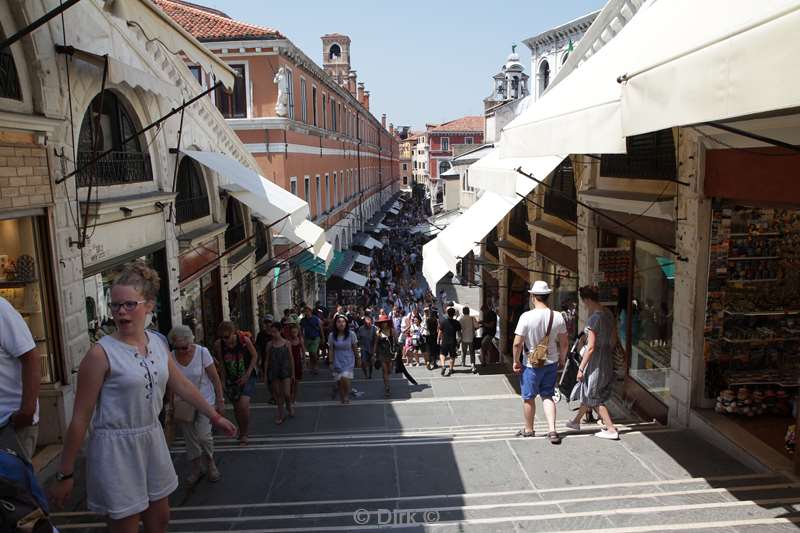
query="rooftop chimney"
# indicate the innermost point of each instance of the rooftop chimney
(383, 121)
(360, 93)
(351, 82)
(365, 103)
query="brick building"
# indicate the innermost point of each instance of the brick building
(309, 128)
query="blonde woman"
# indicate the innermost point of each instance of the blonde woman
(121, 384)
(197, 365)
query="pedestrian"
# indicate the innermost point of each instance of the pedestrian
(298, 349)
(542, 335)
(20, 375)
(596, 369)
(468, 325)
(432, 325)
(129, 472)
(197, 365)
(366, 339)
(263, 337)
(280, 369)
(384, 349)
(237, 358)
(488, 323)
(413, 339)
(344, 347)
(449, 333)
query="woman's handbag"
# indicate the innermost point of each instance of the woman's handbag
(538, 356)
(182, 411)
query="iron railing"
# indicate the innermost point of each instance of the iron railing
(187, 209)
(234, 235)
(116, 168)
(9, 80)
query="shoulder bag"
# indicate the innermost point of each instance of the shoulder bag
(182, 411)
(538, 356)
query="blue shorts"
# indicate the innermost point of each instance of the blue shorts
(249, 388)
(538, 381)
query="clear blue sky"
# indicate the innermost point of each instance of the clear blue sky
(422, 61)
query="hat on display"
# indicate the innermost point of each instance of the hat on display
(540, 288)
(383, 318)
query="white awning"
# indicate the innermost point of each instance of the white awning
(710, 60)
(268, 202)
(442, 254)
(363, 259)
(582, 114)
(371, 243)
(393, 211)
(491, 173)
(355, 278)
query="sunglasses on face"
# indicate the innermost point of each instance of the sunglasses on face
(128, 305)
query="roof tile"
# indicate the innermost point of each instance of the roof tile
(207, 24)
(468, 123)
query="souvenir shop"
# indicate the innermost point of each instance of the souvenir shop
(200, 291)
(752, 313)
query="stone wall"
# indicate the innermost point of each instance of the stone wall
(24, 175)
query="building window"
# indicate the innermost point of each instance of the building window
(405, 166)
(468, 140)
(335, 190)
(333, 114)
(105, 125)
(560, 196)
(234, 104)
(233, 216)
(293, 185)
(261, 238)
(544, 76)
(444, 166)
(319, 197)
(324, 113)
(290, 92)
(649, 156)
(192, 200)
(445, 144)
(491, 243)
(303, 102)
(335, 52)
(327, 192)
(314, 104)
(518, 222)
(307, 188)
(197, 73)
(9, 78)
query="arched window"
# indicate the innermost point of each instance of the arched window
(559, 198)
(544, 76)
(444, 166)
(337, 245)
(9, 78)
(192, 200)
(261, 238)
(335, 52)
(233, 216)
(518, 222)
(105, 125)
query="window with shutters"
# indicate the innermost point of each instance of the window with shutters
(233, 216)
(234, 104)
(650, 156)
(192, 200)
(9, 78)
(560, 196)
(518, 222)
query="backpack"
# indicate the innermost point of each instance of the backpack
(23, 504)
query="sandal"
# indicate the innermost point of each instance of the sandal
(243, 441)
(279, 420)
(524, 433)
(554, 438)
(386, 392)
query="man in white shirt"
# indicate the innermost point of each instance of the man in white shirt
(539, 381)
(468, 326)
(20, 374)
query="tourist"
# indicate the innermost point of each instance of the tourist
(468, 325)
(129, 471)
(537, 367)
(197, 365)
(20, 375)
(344, 347)
(432, 325)
(596, 369)
(298, 349)
(413, 345)
(263, 337)
(366, 339)
(449, 331)
(237, 358)
(280, 371)
(488, 323)
(384, 348)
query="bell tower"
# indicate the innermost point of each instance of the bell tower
(336, 56)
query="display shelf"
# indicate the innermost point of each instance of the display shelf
(757, 234)
(760, 341)
(755, 258)
(766, 280)
(761, 313)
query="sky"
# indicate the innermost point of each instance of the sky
(422, 61)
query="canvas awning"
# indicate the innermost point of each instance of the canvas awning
(363, 259)
(268, 201)
(732, 59)
(355, 278)
(442, 254)
(491, 173)
(365, 241)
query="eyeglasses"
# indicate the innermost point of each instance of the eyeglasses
(129, 305)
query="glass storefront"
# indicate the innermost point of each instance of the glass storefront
(25, 281)
(240, 304)
(97, 287)
(201, 307)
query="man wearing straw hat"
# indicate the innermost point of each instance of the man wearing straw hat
(536, 335)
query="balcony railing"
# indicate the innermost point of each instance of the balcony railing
(187, 209)
(116, 168)
(9, 81)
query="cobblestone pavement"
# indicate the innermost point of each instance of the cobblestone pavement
(441, 456)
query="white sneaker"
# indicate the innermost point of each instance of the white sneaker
(571, 424)
(608, 435)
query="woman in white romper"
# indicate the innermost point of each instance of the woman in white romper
(121, 385)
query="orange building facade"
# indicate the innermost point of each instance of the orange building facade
(309, 128)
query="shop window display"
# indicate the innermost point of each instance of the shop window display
(201, 308)
(24, 279)
(752, 326)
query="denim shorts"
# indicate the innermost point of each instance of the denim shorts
(538, 381)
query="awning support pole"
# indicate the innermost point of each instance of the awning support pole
(500, 265)
(175, 111)
(754, 136)
(36, 23)
(600, 213)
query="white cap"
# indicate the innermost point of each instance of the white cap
(540, 287)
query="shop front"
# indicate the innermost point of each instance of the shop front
(751, 332)
(200, 291)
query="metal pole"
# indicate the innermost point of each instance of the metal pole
(36, 23)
